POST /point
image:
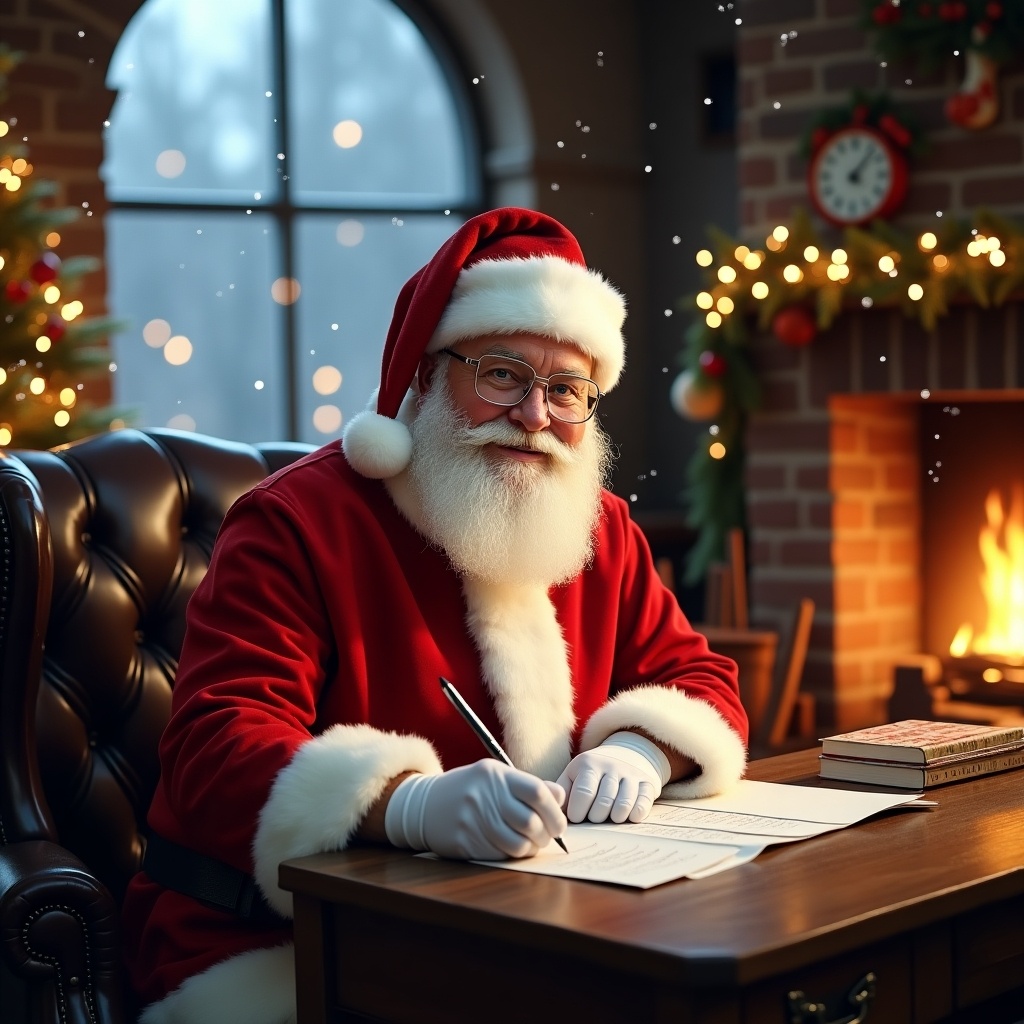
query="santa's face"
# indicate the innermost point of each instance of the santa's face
(511, 494)
(545, 355)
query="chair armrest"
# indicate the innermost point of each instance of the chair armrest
(59, 934)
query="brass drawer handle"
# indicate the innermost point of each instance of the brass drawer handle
(858, 1000)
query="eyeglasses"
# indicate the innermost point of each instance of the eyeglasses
(502, 380)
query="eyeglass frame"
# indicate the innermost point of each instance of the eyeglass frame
(546, 381)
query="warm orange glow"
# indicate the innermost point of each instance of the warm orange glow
(1001, 542)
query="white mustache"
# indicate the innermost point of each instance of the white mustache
(503, 433)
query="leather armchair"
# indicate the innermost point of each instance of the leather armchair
(102, 543)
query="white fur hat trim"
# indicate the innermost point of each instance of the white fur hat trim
(542, 295)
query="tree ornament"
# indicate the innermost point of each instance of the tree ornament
(696, 397)
(794, 325)
(45, 269)
(55, 328)
(712, 363)
(17, 291)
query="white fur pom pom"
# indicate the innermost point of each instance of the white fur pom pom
(376, 446)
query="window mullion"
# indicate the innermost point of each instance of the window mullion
(285, 213)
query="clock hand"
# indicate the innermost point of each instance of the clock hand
(854, 175)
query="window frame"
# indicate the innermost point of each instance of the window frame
(284, 211)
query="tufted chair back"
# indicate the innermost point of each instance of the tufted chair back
(103, 543)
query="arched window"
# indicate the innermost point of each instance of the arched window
(276, 169)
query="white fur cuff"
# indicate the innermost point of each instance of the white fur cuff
(319, 798)
(257, 987)
(691, 726)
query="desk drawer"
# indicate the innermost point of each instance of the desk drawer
(831, 981)
(988, 951)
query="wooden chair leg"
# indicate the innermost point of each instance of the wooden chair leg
(786, 681)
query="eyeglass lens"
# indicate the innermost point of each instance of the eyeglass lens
(505, 381)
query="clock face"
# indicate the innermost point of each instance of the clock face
(855, 176)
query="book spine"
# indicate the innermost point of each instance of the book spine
(966, 746)
(968, 769)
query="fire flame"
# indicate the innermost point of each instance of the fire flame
(1001, 542)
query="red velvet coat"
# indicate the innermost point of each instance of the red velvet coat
(323, 607)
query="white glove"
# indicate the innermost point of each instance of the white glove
(481, 811)
(620, 779)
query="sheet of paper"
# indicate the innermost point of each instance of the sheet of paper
(684, 838)
(734, 824)
(620, 856)
(744, 855)
(797, 803)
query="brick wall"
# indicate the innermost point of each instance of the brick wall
(782, 85)
(834, 473)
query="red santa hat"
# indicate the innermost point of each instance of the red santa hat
(506, 271)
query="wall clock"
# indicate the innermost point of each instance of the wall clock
(857, 175)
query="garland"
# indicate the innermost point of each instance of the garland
(928, 33)
(794, 286)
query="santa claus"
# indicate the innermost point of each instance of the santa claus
(460, 529)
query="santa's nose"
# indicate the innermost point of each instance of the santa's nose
(532, 412)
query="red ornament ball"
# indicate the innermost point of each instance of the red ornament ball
(712, 363)
(994, 10)
(794, 326)
(886, 14)
(17, 291)
(45, 269)
(55, 328)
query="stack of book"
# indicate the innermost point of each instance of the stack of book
(915, 754)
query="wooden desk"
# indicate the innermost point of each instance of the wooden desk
(931, 902)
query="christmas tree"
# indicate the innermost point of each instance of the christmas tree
(52, 357)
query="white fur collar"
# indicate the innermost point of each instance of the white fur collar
(525, 665)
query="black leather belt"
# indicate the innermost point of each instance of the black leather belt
(208, 880)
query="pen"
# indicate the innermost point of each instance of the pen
(481, 730)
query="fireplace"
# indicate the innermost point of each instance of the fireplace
(843, 488)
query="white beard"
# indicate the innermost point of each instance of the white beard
(504, 521)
